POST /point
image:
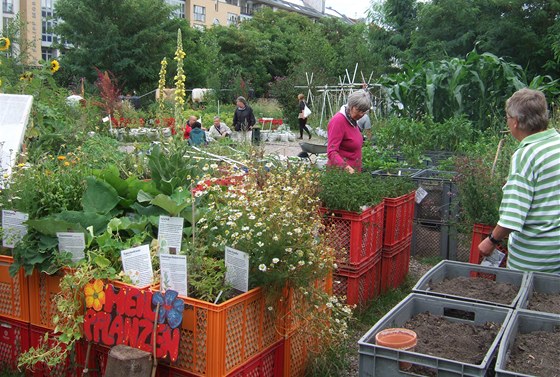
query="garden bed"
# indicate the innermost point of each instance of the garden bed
(545, 302)
(437, 336)
(481, 289)
(536, 354)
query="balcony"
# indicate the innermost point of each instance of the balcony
(8, 7)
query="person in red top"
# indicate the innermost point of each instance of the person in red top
(344, 146)
(188, 127)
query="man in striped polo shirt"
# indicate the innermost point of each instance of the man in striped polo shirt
(530, 207)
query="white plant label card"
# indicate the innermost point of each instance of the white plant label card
(170, 234)
(494, 259)
(237, 269)
(14, 229)
(420, 195)
(173, 273)
(74, 243)
(137, 264)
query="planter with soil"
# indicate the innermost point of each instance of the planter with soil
(454, 338)
(542, 293)
(530, 346)
(474, 283)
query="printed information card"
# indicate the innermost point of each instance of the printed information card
(170, 234)
(14, 229)
(173, 273)
(74, 243)
(237, 269)
(137, 264)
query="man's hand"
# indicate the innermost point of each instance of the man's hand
(486, 247)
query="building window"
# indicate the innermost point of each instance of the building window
(232, 19)
(49, 4)
(232, 2)
(48, 23)
(48, 53)
(8, 6)
(199, 13)
(179, 8)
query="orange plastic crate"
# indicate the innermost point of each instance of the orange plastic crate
(217, 339)
(360, 286)
(394, 265)
(14, 340)
(269, 363)
(42, 289)
(296, 353)
(14, 292)
(399, 215)
(355, 237)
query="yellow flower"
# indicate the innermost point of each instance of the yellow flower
(95, 296)
(66, 163)
(55, 66)
(4, 43)
(26, 76)
(61, 158)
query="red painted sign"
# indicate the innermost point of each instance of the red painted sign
(126, 316)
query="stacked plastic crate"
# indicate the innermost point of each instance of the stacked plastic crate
(397, 231)
(14, 314)
(357, 239)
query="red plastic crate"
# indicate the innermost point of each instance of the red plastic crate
(394, 265)
(355, 237)
(480, 232)
(360, 286)
(399, 215)
(14, 340)
(64, 369)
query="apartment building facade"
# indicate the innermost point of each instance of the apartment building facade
(39, 16)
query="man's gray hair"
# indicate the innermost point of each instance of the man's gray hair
(530, 108)
(360, 99)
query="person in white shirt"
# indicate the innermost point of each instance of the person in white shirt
(219, 129)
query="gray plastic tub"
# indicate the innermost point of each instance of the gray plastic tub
(378, 361)
(522, 322)
(450, 269)
(542, 283)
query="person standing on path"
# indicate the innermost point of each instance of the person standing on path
(302, 119)
(530, 207)
(243, 117)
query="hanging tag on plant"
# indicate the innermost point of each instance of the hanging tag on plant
(420, 195)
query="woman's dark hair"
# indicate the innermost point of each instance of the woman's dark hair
(197, 125)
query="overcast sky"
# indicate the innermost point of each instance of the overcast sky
(351, 8)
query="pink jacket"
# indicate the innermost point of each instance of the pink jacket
(345, 142)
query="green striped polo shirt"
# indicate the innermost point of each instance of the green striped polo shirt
(531, 204)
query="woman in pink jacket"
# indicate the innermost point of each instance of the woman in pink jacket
(344, 147)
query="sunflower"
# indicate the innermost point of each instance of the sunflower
(4, 43)
(26, 76)
(95, 296)
(55, 66)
